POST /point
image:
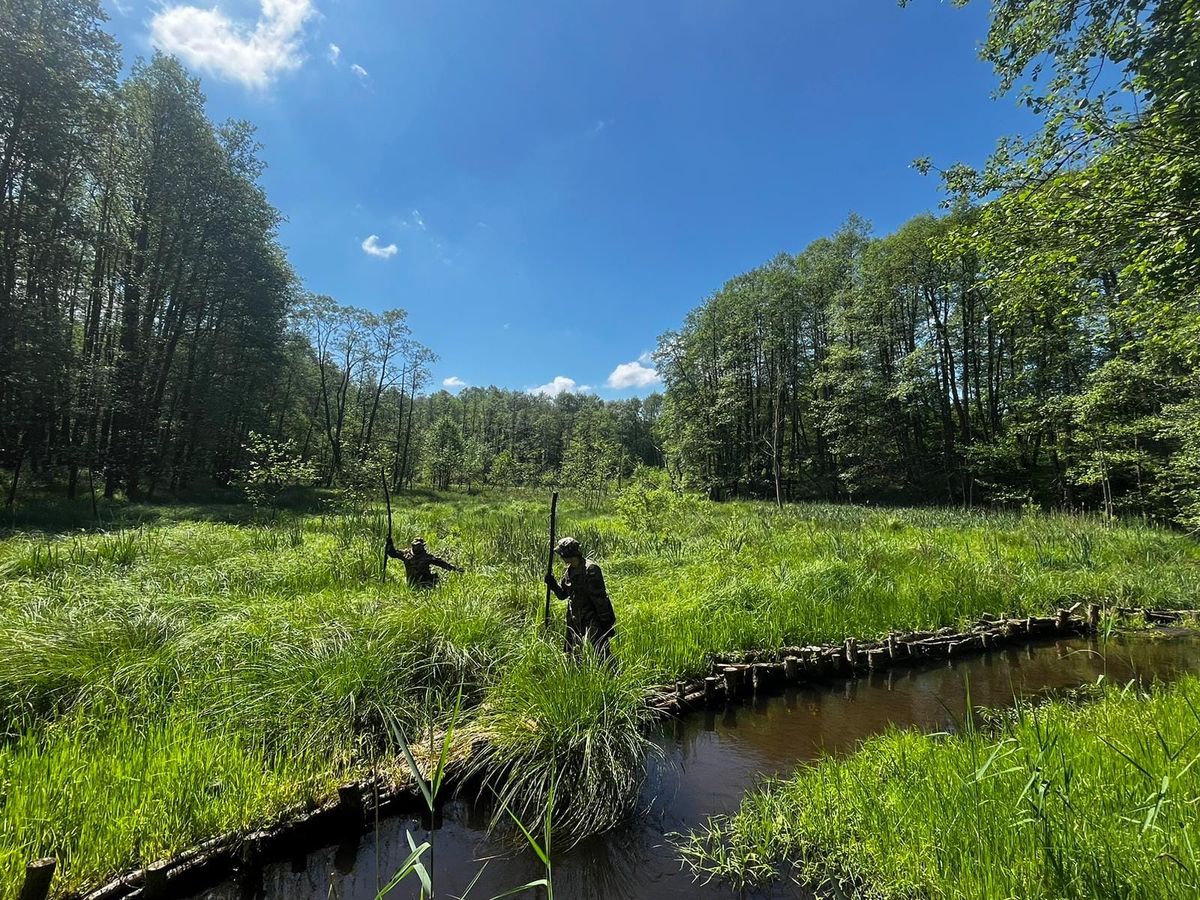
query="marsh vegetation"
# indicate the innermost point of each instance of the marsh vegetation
(164, 682)
(1060, 799)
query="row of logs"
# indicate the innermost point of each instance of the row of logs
(734, 678)
(302, 828)
(358, 804)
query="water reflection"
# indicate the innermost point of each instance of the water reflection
(711, 759)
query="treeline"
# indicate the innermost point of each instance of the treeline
(352, 405)
(142, 291)
(1039, 344)
(513, 438)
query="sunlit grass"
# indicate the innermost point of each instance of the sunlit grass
(282, 638)
(1064, 800)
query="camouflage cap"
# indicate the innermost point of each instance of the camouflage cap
(568, 547)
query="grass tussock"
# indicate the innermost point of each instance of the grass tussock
(280, 642)
(1060, 800)
(569, 727)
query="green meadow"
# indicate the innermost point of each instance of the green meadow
(184, 671)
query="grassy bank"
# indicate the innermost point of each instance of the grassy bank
(1092, 800)
(220, 668)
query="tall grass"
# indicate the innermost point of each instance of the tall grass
(1063, 800)
(282, 641)
(572, 727)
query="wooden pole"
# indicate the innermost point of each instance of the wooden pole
(387, 498)
(710, 690)
(155, 884)
(550, 557)
(38, 875)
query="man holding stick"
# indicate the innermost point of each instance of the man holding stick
(418, 562)
(590, 615)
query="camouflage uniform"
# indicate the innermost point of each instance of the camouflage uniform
(590, 615)
(417, 563)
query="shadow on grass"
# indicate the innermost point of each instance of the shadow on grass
(49, 512)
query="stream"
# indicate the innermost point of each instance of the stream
(710, 759)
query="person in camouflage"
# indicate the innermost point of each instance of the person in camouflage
(418, 562)
(590, 615)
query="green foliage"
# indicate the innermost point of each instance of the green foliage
(1065, 800)
(277, 645)
(275, 466)
(651, 507)
(571, 728)
(443, 452)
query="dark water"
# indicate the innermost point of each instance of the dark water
(710, 761)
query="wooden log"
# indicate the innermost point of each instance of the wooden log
(115, 889)
(1062, 620)
(155, 884)
(851, 651)
(38, 875)
(1161, 616)
(876, 659)
(350, 799)
(791, 669)
(1093, 616)
(891, 646)
(710, 690)
(732, 679)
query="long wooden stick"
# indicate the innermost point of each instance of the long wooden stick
(387, 498)
(550, 559)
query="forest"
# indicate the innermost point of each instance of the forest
(1037, 343)
(155, 339)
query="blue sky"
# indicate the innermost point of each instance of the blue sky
(548, 185)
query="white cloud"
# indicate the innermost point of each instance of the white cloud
(371, 248)
(560, 385)
(358, 70)
(633, 375)
(335, 53)
(453, 382)
(417, 220)
(210, 40)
